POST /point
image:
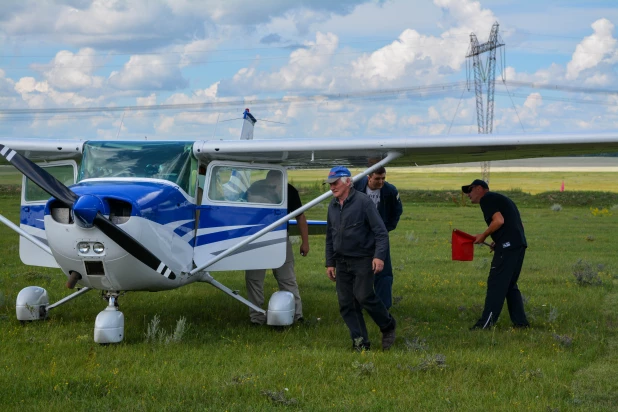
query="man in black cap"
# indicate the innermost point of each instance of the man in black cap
(509, 245)
(356, 248)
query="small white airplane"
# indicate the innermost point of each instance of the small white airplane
(158, 215)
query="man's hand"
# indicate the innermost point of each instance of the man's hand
(330, 272)
(304, 249)
(377, 265)
(480, 238)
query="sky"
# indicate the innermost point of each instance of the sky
(187, 69)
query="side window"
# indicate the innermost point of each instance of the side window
(238, 184)
(64, 174)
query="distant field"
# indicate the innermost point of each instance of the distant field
(8, 176)
(423, 179)
(528, 182)
(566, 362)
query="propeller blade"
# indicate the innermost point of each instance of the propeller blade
(132, 246)
(39, 176)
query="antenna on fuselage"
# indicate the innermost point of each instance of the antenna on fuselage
(120, 127)
(216, 123)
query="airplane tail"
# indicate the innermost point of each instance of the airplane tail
(247, 126)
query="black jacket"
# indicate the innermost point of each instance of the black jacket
(354, 229)
(390, 207)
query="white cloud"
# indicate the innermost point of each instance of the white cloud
(593, 50)
(426, 58)
(68, 71)
(39, 94)
(150, 100)
(148, 72)
(147, 24)
(307, 68)
(383, 120)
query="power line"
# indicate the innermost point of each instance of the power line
(288, 99)
(372, 95)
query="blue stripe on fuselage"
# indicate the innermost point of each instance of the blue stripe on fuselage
(184, 229)
(32, 215)
(255, 219)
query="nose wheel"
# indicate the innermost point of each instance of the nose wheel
(109, 325)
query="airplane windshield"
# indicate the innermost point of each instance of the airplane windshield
(172, 161)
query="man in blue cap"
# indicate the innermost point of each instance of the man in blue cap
(356, 248)
(386, 199)
(509, 245)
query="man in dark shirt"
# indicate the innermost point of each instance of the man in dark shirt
(386, 199)
(269, 191)
(356, 247)
(509, 246)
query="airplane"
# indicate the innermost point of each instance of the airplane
(158, 215)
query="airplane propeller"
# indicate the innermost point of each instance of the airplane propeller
(85, 210)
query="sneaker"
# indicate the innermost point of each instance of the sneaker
(388, 336)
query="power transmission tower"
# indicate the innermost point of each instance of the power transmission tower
(484, 74)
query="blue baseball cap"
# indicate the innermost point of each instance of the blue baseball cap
(337, 172)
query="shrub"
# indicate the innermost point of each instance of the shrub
(156, 335)
(564, 340)
(363, 369)
(279, 398)
(585, 274)
(415, 344)
(411, 237)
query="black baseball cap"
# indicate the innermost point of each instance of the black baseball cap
(476, 182)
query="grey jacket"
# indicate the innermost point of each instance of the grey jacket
(355, 229)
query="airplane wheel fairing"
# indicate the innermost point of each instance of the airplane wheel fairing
(31, 303)
(109, 325)
(281, 308)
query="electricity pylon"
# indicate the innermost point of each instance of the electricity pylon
(485, 74)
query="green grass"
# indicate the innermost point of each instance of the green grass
(566, 361)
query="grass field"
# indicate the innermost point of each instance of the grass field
(565, 362)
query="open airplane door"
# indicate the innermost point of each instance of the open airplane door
(239, 200)
(32, 214)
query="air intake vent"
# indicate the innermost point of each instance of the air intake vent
(119, 211)
(94, 268)
(60, 213)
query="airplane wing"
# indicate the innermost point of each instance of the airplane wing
(418, 150)
(325, 152)
(40, 150)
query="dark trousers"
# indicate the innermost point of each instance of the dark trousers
(502, 284)
(383, 282)
(355, 292)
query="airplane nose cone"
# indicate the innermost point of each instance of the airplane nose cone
(86, 208)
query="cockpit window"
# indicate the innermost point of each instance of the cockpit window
(172, 161)
(245, 184)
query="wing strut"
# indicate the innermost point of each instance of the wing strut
(390, 156)
(206, 277)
